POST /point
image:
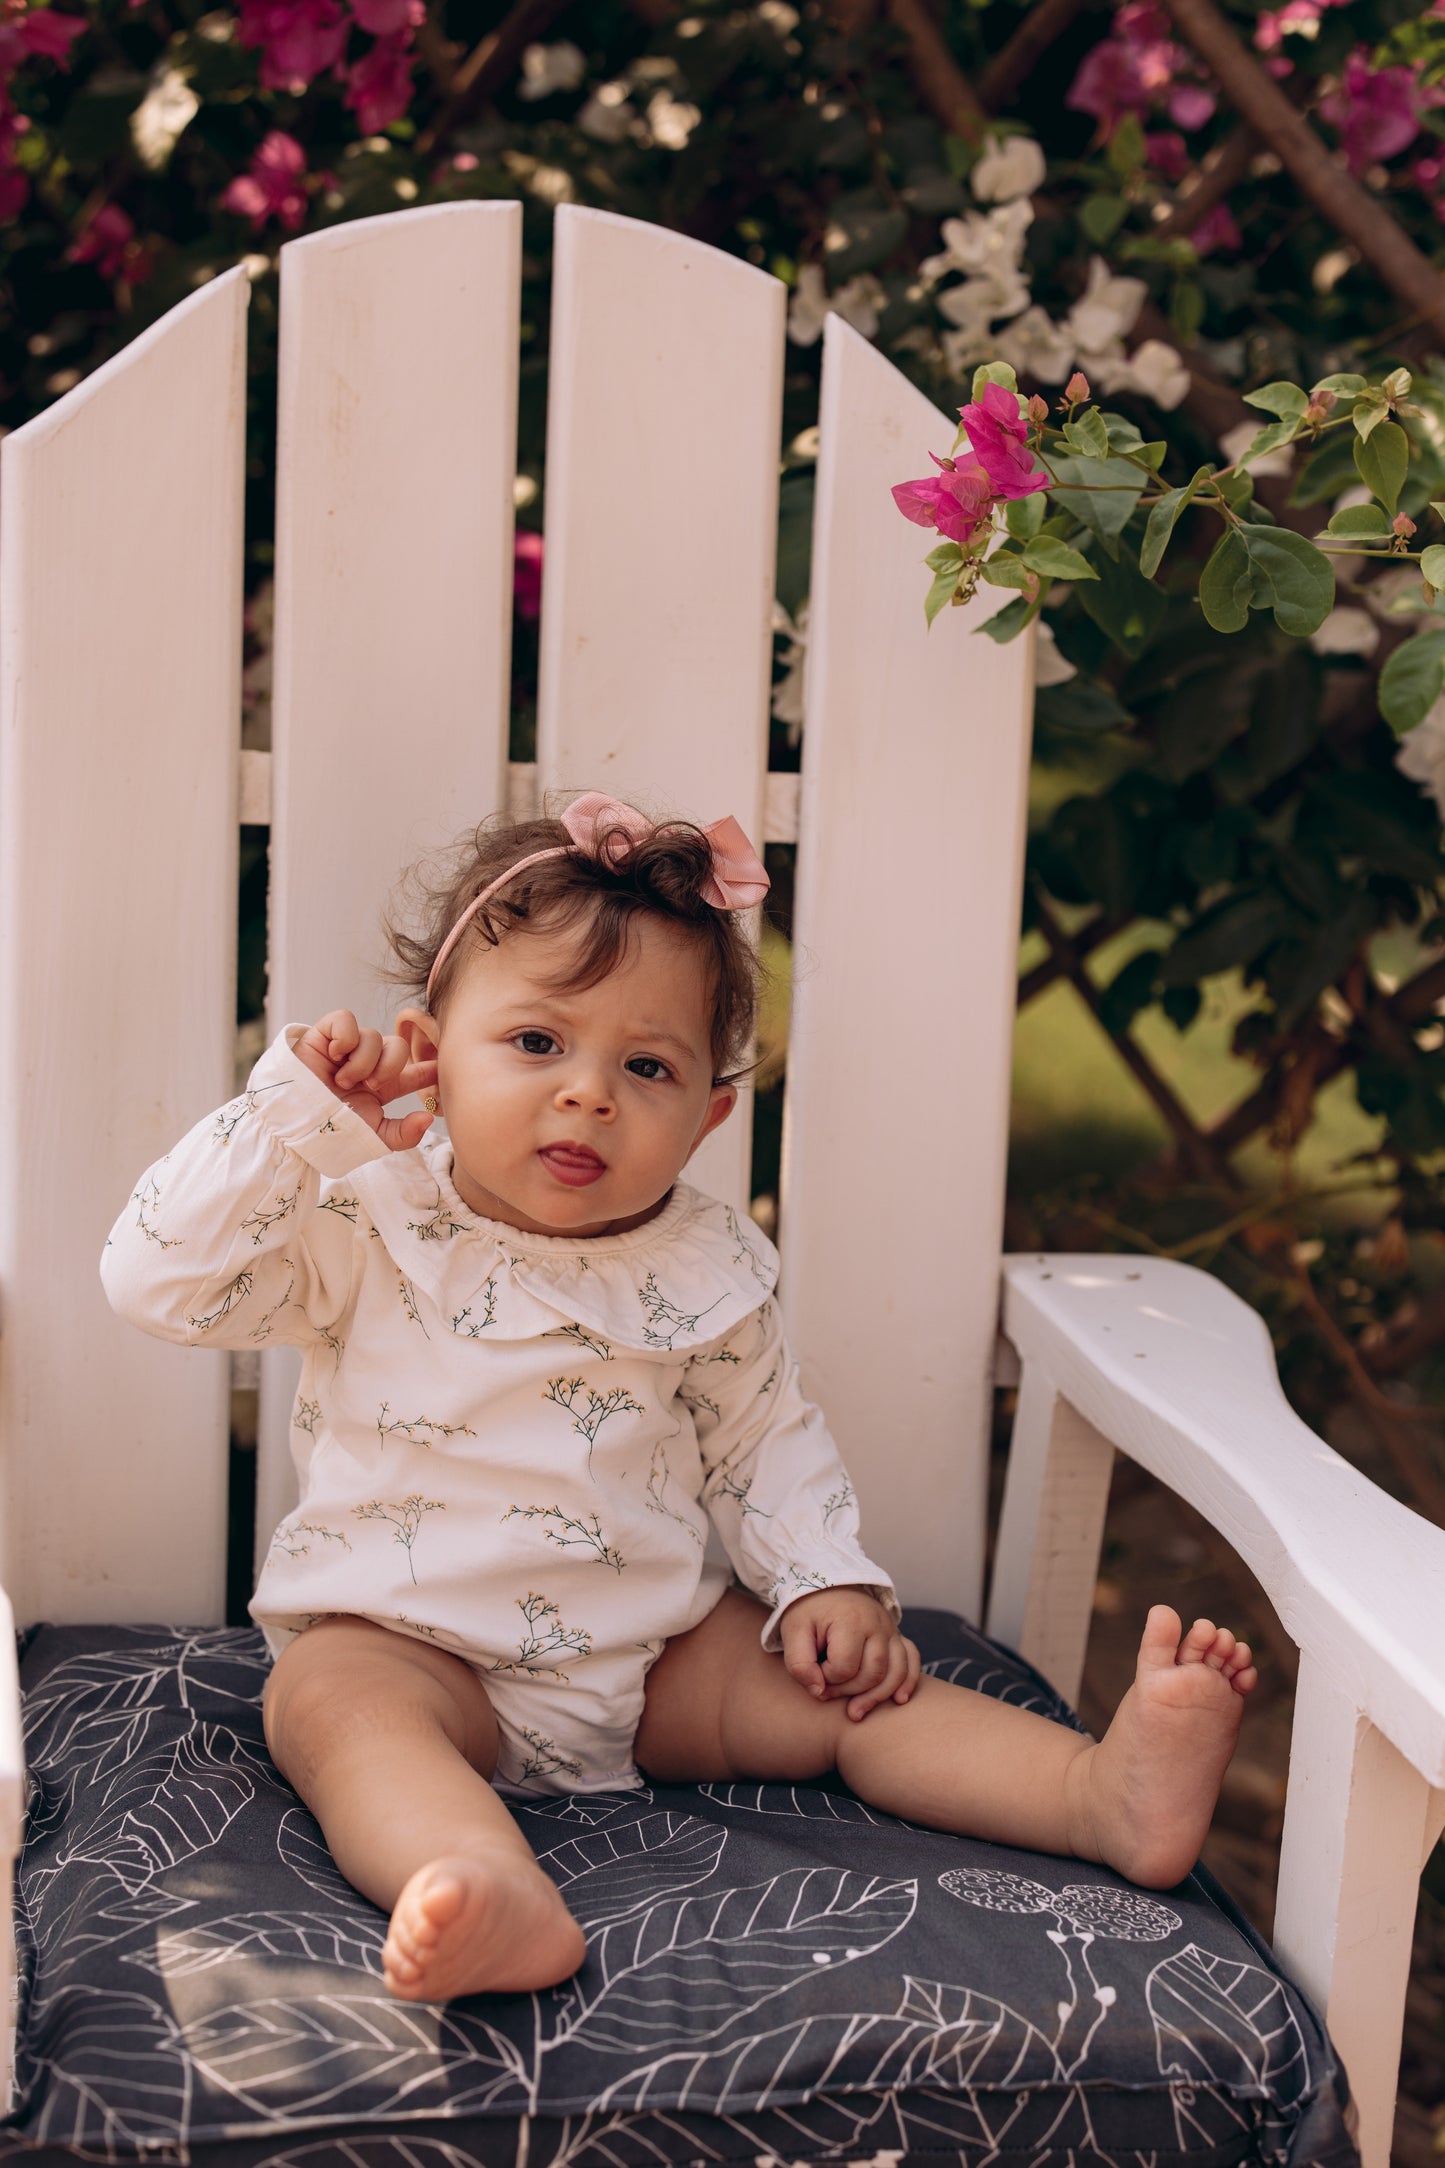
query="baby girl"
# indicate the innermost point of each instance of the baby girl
(536, 1366)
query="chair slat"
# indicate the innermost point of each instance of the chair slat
(120, 602)
(396, 461)
(662, 485)
(911, 827)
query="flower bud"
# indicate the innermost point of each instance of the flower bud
(1038, 409)
(1077, 388)
(1403, 527)
(1324, 400)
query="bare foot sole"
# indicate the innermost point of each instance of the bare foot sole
(1144, 1796)
(467, 1926)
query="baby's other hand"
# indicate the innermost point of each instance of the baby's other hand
(367, 1072)
(842, 1645)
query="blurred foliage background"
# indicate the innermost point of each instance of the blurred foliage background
(1231, 1044)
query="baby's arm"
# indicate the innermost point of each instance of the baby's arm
(229, 1240)
(781, 1500)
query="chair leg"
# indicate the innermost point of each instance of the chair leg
(1359, 1824)
(1050, 1533)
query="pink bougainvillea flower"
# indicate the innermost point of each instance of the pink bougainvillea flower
(1190, 106)
(1216, 230)
(379, 86)
(299, 39)
(957, 501)
(1168, 153)
(271, 188)
(384, 18)
(1108, 85)
(1375, 110)
(997, 435)
(527, 573)
(106, 242)
(42, 32)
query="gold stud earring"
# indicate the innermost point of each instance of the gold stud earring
(430, 1103)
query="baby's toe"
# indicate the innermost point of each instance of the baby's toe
(1220, 1650)
(437, 1904)
(1197, 1643)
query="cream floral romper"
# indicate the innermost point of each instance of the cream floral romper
(507, 1444)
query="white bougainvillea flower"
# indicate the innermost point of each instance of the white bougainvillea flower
(986, 242)
(858, 303)
(163, 115)
(670, 121)
(1012, 168)
(1422, 754)
(607, 117)
(1106, 309)
(1346, 631)
(546, 69)
(1237, 443)
(1050, 667)
(1035, 346)
(1158, 372)
(788, 692)
(983, 298)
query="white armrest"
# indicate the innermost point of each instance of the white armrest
(1168, 1365)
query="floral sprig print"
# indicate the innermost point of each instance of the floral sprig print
(344, 1207)
(796, 1579)
(285, 1537)
(262, 1331)
(262, 1221)
(737, 1488)
(837, 1500)
(405, 1517)
(745, 1250)
(568, 1533)
(148, 1199)
(696, 1402)
(588, 1419)
(478, 1325)
(231, 1116)
(238, 1290)
(408, 1302)
(659, 1475)
(663, 1319)
(545, 1636)
(413, 1428)
(546, 1757)
(306, 1415)
(582, 1338)
(439, 1226)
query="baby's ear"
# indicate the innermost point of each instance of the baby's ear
(421, 1032)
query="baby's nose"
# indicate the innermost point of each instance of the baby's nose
(586, 1094)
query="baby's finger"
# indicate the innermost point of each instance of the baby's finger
(845, 1648)
(893, 1675)
(800, 1652)
(360, 1062)
(386, 1079)
(400, 1134)
(915, 1672)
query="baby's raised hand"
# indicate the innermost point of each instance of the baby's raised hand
(842, 1645)
(367, 1072)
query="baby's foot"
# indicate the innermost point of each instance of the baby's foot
(1145, 1794)
(465, 1926)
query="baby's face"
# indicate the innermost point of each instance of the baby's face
(574, 1113)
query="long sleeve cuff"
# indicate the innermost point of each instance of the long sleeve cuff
(305, 1115)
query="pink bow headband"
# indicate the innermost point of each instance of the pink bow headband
(737, 881)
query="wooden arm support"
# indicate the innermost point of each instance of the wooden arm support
(1165, 1363)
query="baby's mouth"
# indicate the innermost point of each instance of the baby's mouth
(574, 1165)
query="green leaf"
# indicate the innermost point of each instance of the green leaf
(1383, 461)
(1432, 564)
(1025, 515)
(1344, 387)
(1359, 519)
(1088, 434)
(1125, 150)
(1006, 624)
(992, 372)
(1081, 706)
(1412, 681)
(1369, 412)
(1269, 439)
(941, 593)
(1186, 310)
(946, 553)
(1129, 991)
(1236, 489)
(1101, 217)
(1162, 518)
(1225, 584)
(1123, 603)
(1152, 453)
(1106, 505)
(1286, 400)
(1234, 932)
(1056, 561)
(1293, 576)
(1006, 569)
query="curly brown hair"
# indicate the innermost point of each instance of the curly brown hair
(661, 875)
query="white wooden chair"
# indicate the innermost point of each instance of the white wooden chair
(120, 797)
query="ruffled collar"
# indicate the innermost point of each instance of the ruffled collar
(688, 1276)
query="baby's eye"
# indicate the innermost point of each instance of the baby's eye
(648, 1067)
(535, 1042)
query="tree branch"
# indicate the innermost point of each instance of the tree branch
(488, 66)
(941, 82)
(1330, 187)
(1014, 61)
(1223, 169)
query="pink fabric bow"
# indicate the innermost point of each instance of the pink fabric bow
(738, 879)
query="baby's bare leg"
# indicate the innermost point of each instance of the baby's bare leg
(1141, 1800)
(390, 1742)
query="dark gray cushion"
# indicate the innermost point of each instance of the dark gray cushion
(773, 1973)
